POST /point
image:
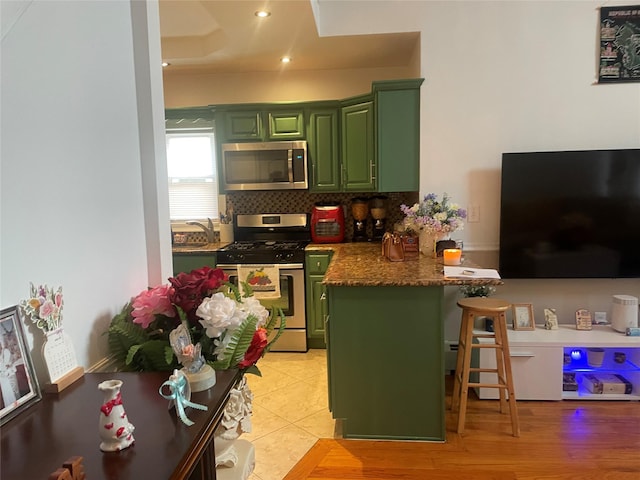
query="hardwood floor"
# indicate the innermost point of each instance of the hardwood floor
(567, 440)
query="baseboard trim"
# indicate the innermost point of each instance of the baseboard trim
(106, 364)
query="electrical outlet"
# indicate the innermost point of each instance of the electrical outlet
(473, 213)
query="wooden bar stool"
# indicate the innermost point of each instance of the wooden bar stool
(487, 307)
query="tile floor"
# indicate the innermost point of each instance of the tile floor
(290, 411)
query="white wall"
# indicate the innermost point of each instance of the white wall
(78, 132)
(504, 76)
(188, 90)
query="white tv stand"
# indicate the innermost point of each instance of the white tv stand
(538, 356)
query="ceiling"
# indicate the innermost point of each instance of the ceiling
(226, 37)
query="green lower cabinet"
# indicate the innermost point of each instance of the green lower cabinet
(316, 298)
(386, 361)
(185, 262)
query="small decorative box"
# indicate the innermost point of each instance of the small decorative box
(607, 383)
(569, 383)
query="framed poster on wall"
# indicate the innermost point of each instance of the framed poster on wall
(619, 59)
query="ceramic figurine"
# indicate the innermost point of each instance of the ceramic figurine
(116, 431)
(200, 375)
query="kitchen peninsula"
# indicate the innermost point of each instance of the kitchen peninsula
(385, 343)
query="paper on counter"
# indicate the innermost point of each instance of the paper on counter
(467, 272)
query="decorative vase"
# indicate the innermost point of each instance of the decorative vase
(115, 430)
(427, 242)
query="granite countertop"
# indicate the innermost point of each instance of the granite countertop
(362, 264)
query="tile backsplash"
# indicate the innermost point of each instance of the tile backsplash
(302, 201)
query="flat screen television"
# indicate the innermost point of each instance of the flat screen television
(570, 214)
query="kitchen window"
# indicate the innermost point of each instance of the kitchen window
(191, 166)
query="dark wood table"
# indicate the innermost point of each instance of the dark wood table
(63, 425)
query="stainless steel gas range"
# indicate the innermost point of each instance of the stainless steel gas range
(275, 242)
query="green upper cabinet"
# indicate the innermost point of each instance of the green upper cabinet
(285, 125)
(243, 125)
(258, 123)
(323, 149)
(358, 154)
(398, 135)
(367, 143)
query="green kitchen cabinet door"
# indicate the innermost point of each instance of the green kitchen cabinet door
(358, 154)
(315, 311)
(323, 150)
(185, 262)
(398, 135)
(243, 125)
(286, 125)
(316, 266)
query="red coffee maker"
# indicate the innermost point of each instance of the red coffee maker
(327, 223)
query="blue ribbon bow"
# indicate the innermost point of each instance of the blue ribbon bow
(177, 386)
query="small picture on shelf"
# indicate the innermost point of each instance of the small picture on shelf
(523, 316)
(550, 319)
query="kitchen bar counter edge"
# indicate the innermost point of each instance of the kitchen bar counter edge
(362, 264)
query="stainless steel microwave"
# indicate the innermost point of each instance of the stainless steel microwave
(265, 166)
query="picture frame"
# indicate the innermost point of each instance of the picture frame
(523, 316)
(19, 387)
(550, 319)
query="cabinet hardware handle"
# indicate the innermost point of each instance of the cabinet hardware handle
(323, 296)
(326, 329)
(522, 354)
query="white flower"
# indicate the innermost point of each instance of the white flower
(441, 216)
(221, 345)
(252, 306)
(219, 313)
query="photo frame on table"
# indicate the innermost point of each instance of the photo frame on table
(19, 387)
(523, 316)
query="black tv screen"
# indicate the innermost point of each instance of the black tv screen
(571, 214)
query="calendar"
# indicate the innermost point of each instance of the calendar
(59, 354)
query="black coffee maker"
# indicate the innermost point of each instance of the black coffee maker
(379, 214)
(360, 211)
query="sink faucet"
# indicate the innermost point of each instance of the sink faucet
(208, 229)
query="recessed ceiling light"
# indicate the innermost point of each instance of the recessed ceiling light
(262, 13)
(285, 59)
(165, 64)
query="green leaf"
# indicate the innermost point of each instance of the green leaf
(253, 369)
(152, 355)
(168, 354)
(239, 343)
(271, 325)
(132, 353)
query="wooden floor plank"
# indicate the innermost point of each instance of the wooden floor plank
(566, 440)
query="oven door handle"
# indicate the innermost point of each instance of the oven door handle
(281, 266)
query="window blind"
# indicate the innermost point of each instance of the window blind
(193, 184)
